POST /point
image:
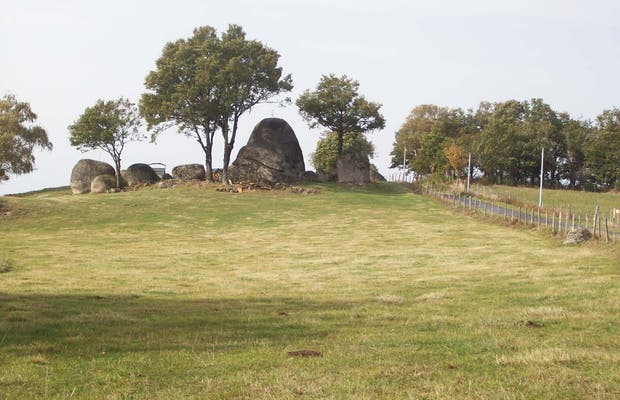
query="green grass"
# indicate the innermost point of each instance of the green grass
(192, 293)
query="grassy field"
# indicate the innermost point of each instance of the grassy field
(579, 202)
(193, 293)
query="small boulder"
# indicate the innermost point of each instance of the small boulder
(271, 155)
(353, 167)
(189, 172)
(85, 171)
(166, 176)
(577, 235)
(322, 176)
(140, 174)
(103, 183)
(309, 176)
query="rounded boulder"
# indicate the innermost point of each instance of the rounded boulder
(271, 155)
(188, 172)
(140, 174)
(103, 183)
(85, 171)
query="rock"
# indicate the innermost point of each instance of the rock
(167, 183)
(140, 174)
(103, 183)
(353, 167)
(166, 176)
(577, 235)
(188, 172)
(310, 176)
(85, 171)
(375, 176)
(323, 177)
(271, 155)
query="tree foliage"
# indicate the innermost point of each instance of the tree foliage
(206, 83)
(107, 126)
(603, 149)
(335, 104)
(19, 137)
(325, 156)
(505, 140)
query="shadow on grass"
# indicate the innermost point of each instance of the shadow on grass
(81, 325)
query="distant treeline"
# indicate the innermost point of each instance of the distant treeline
(505, 141)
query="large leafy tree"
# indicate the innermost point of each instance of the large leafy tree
(603, 149)
(432, 136)
(183, 90)
(248, 75)
(335, 104)
(19, 137)
(107, 126)
(206, 83)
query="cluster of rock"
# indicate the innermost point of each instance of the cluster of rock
(91, 176)
(271, 156)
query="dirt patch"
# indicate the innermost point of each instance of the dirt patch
(531, 324)
(305, 353)
(254, 187)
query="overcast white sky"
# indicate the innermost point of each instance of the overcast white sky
(63, 55)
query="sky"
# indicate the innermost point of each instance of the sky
(62, 56)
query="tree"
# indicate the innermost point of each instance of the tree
(183, 90)
(426, 134)
(18, 137)
(206, 83)
(249, 75)
(325, 156)
(337, 106)
(576, 135)
(603, 149)
(107, 126)
(457, 158)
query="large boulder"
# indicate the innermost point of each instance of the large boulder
(272, 155)
(188, 172)
(140, 174)
(103, 183)
(85, 171)
(353, 167)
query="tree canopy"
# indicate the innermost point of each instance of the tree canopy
(206, 83)
(19, 137)
(505, 140)
(336, 105)
(107, 126)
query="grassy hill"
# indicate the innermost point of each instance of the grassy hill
(193, 293)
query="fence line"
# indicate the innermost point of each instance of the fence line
(604, 226)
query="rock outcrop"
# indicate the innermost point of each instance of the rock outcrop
(103, 183)
(85, 171)
(140, 174)
(189, 172)
(353, 167)
(271, 155)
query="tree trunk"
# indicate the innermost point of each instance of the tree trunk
(227, 151)
(340, 143)
(117, 166)
(208, 168)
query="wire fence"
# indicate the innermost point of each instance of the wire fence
(604, 225)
